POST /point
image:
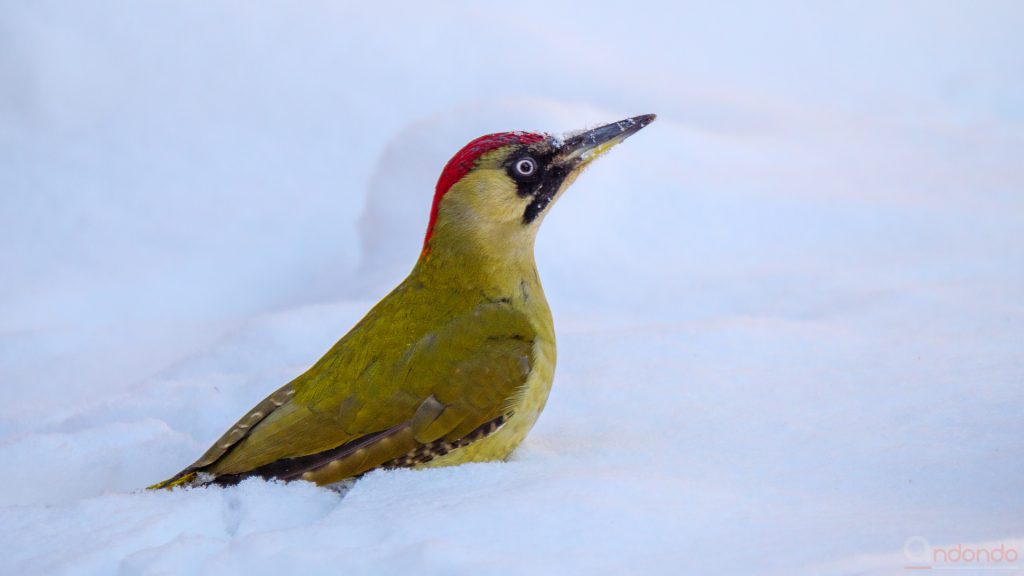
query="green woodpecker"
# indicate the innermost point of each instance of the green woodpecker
(455, 364)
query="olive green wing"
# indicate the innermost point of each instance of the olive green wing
(234, 435)
(401, 405)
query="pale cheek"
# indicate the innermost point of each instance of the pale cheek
(510, 208)
(498, 204)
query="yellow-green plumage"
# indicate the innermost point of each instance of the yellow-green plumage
(453, 366)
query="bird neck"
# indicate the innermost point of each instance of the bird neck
(499, 271)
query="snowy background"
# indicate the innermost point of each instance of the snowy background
(790, 313)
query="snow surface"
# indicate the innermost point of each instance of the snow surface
(790, 312)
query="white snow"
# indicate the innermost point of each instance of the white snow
(790, 313)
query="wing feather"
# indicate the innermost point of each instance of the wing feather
(351, 412)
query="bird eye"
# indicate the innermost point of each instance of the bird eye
(526, 166)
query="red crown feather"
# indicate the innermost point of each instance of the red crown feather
(465, 159)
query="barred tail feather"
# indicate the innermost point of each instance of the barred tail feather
(183, 479)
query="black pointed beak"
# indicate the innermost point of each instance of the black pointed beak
(583, 147)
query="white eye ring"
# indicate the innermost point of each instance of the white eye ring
(526, 166)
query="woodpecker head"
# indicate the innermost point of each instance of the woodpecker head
(493, 194)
